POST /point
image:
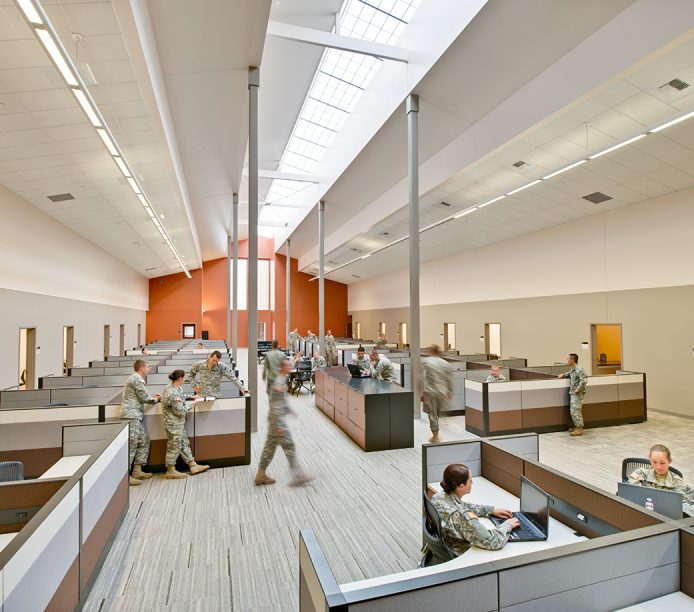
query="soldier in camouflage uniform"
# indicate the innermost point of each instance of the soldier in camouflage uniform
(382, 367)
(294, 340)
(437, 382)
(318, 361)
(330, 348)
(659, 476)
(362, 360)
(460, 524)
(175, 407)
(381, 340)
(577, 391)
(278, 433)
(135, 396)
(271, 365)
(495, 376)
(206, 376)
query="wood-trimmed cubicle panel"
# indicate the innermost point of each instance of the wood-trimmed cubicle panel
(687, 555)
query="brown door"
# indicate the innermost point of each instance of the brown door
(122, 340)
(107, 340)
(348, 327)
(139, 334)
(27, 358)
(68, 347)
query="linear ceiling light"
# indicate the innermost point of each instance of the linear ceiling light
(86, 107)
(524, 187)
(673, 122)
(618, 146)
(578, 163)
(30, 12)
(133, 185)
(121, 164)
(467, 211)
(57, 57)
(488, 202)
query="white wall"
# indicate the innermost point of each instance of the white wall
(51, 277)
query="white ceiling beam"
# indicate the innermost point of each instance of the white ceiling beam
(290, 176)
(320, 38)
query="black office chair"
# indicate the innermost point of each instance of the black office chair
(11, 471)
(435, 550)
(634, 463)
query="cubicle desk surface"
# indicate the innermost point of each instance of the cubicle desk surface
(377, 415)
(674, 602)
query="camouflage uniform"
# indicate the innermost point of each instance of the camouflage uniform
(278, 410)
(461, 528)
(135, 396)
(311, 338)
(174, 410)
(578, 378)
(318, 363)
(364, 363)
(271, 366)
(293, 341)
(381, 341)
(437, 378)
(384, 370)
(647, 477)
(330, 350)
(492, 379)
(210, 379)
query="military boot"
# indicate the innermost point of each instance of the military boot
(578, 431)
(434, 437)
(261, 478)
(139, 474)
(172, 473)
(197, 469)
(134, 482)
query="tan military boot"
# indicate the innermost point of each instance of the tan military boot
(261, 478)
(434, 437)
(134, 482)
(197, 469)
(172, 473)
(577, 431)
(139, 474)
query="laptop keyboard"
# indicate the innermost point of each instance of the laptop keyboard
(526, 529)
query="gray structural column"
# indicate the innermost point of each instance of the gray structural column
(413, 183)
(253, 84)
(235, 278)
(321, 276)
(229, 290)
(288, 289)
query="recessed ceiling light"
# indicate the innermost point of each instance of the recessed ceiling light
(30, 11)
(524, 187)
(617, 146)
(578, 163)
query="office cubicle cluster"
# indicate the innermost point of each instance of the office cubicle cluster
(55, 531)
(616, 555)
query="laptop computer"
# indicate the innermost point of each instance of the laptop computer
(533, 515)
(356, 371)
(667, 503)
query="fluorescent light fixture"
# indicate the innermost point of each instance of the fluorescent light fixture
(365, 256)
(87, 107)
(143, 200)
(30, 12)
(673, 122)
(618, 146)
(107, 141)
(133, 184)
(578, 163)
(465, 212)
(488, 202)
(52, 49)
(149, 212)
(121, 164)
(524, 187)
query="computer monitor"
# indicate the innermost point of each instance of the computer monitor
(534, 504)
(667, 503)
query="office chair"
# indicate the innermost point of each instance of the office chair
(633, 463)
(11, 471)
(435, 550)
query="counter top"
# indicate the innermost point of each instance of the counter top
(365, 386)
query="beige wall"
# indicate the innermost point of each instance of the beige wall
(631, 266)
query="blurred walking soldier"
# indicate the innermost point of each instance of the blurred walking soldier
(135, 396)
(330, 348)
(272, 364)
(278, 433)
(437, 388)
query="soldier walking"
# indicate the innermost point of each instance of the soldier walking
(272, 364)
(437, 379)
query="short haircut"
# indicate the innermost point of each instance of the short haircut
(574, 356)
(435, 350)
(360, 349)
(660, 448)
(455, 475)
(139, 363)
(176, 374)
(275, 344)
(216, 354)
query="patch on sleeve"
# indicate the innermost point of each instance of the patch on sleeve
(470, 515)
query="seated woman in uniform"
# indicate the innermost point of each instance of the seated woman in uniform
(659, 476)
(460, 524)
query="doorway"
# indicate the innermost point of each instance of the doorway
(27, 358)
(606, 352)
(188, 330)
(122, 340)
(492, 339)
(139, 334)
(357, 330)
(262, 326)
(107, 340)
(449, 336)
(348, 327)
(382, 328)
(68, 348)
(402, 334)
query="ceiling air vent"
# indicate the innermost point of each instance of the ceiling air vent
(677, 84)
(332, 263)
(444, 205)
(597, 197)
(355, 276)
(520, 163)
(61, 197)
(355, 250)
(150, 269)
(384, 234)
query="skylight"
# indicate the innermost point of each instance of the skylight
(339, 82)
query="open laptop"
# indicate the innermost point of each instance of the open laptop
(667, 503)
(533, 515)
(356, 371)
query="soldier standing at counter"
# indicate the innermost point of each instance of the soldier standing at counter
(437, 379)
(175, 407)
(278, 433)
(495, 376)
(135, 396)
(330, 348)
(577, 391)
(382, 367)
(272, 363)
(294, 340)
(381, 340)
(206, 376)
(311, 337)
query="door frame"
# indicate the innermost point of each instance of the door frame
(487, 344)
(445, 335)
(30, 358)
(195, 331)
(68, 347)
(107, 340)
(594, 357)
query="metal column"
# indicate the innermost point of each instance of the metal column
(253, 84)
(235, 278)
(413, 183)
(229, 290)
(321, 276)
(289, 293)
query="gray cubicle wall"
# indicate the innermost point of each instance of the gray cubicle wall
(73, 396)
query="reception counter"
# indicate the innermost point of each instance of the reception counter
(377, 415)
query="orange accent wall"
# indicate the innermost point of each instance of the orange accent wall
(175, 300)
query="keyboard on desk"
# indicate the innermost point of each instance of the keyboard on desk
(527, 532)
